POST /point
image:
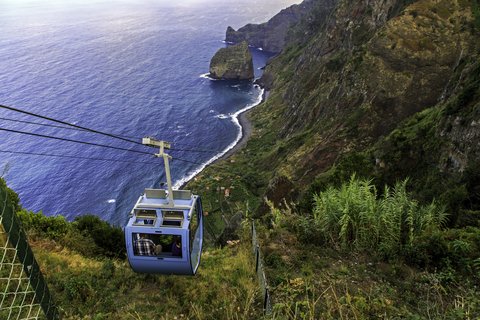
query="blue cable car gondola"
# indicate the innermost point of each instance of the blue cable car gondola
(164, 232)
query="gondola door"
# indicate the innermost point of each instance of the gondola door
(196, 235)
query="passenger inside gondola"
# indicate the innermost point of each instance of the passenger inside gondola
(157, 245)
(176, 246)
(143, 246)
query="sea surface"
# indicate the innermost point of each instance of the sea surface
(132, 68)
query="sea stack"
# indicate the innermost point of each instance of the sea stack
(232, 63)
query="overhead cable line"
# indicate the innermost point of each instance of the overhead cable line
(69, 124)
(75, 141)
(90, 158)
(80, 128)
(74, 157)
(90, 143)
(53, 126)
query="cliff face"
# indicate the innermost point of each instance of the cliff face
(272, 35)
(383, 82)
(232, 63)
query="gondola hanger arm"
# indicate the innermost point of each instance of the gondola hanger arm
(152, 142)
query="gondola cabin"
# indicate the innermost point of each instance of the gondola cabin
(164, 233)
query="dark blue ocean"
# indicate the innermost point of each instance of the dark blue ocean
(128, 67)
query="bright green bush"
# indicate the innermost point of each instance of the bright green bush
(12, 196)
(355, 217)
(88, 235)
(55, 227)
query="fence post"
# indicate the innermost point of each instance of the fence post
(257, 257)
(262, 279)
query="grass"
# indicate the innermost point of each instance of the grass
(85, 288)
(320, 269)
(357, 287)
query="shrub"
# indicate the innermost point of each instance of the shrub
(307, 231)
(430, 251)
(77, 288)
(353, 216)
(88, 235)
(55, 227)
(439, 249)
(12, 196)
(110, 239)
(81, 243)
(476, 12)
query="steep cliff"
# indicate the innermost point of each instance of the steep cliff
(232, 63)
(364, 90)
(382, 91)
(273, 35)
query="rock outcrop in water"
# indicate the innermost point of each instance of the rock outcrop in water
(232, 63)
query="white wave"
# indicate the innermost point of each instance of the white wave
(260, 49)
(236, 121)
(111, 201)
(207, 76)
(223, 116)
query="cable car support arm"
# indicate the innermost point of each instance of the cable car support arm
(151, 142)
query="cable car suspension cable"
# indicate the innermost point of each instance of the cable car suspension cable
(75, 141)
(74, 157)
(53, 126)
(81, 128)
(91, 143)
(77, 129)
(69, 124)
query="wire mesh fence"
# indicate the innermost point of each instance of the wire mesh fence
(23, 291)
(259, 268)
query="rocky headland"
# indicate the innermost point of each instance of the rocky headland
(273, 35)
(232, 63)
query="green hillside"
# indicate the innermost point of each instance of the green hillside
(88, 276)
(362, 174)
(385, 91)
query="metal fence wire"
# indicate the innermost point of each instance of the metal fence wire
(259, 268)
(23, 291)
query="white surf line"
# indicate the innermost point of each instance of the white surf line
(236, 121)
(207, 76)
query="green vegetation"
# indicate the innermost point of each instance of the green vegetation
(353, 217)
(476, 13)
(86, 271)
(362, 172)
(88, 234)
(102, 288)
(361, 254)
